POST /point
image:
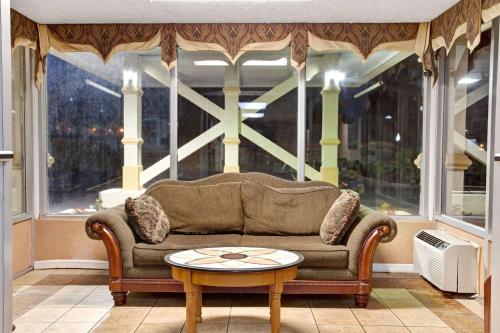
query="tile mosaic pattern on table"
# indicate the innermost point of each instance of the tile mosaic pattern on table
(234, 258)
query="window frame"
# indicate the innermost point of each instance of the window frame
(28, 137)
(439, 214)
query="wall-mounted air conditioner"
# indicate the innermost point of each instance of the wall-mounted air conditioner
(448, 262)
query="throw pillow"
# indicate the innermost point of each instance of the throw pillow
(147, 218)
(340, 217)
(285, 211)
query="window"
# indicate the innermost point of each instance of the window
(467, 83)
(18, 131)
(364, 126)
(105, 124)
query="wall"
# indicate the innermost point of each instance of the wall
(65, 238)
(21, 246)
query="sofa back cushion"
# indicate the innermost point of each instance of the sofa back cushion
(285, 211)
(202, 210)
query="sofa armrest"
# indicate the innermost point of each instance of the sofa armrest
(371, 228)
(111, 226)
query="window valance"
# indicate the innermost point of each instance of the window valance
(235, 39)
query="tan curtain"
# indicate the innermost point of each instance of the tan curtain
(24, 32)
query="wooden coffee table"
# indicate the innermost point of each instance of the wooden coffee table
(233, 267)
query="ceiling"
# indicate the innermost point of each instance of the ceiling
(230, 11)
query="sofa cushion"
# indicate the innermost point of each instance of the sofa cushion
(285, 211)
(147, 218)
(315, 252)
(153, 254)
(206, 209)
(340, 218)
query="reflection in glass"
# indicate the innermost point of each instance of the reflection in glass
(93, 111)
(465, 131)
(18, 131)
(364, 126)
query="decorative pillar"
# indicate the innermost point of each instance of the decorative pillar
(329, 138)
(231, 119)
(132, 124)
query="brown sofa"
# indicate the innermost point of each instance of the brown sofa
(327, 269)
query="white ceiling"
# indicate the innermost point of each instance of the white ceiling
(263, 11)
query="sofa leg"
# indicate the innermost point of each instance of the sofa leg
(362, 300)
(120, 297)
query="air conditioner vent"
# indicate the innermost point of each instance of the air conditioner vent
(430, 239)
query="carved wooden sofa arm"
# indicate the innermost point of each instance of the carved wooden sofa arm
(111, 227)
(372, 228)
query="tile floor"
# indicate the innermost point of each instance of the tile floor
(79, 301)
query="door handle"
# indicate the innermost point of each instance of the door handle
(6, 155)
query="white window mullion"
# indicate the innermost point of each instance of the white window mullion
(301, 124)
(173, 123)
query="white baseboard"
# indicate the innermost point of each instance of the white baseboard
(70, 263)
(101, 264)
(393, 268)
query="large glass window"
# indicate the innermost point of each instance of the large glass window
(364, 126)
(93, 110)
(467, 83)
(18, 131)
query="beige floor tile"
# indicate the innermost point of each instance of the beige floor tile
(419, 318)
(377, 318)
(333, 301)
(385, 329)
(96, 301)
(340, 329)
(17, 288)
(294, 301)
(31, 327)
(32, 277)
(249, 315)
(27, 301)
(334, 316)
(69, 327)
(248, 328)
(40, 290)
(159, 328)
(297, 316)
(101, 290)
(114, 328)
(125, 315)
(166, 315)
(209, 328)
(215, 315)
(473, 305)
(430, 330)
(83, 290)
(171, 300)
(373, 304)
(42, 315)
(393, 293)
(463, 322)
(16, 313)
(96, 272)
(56, 301)
(141, 299)
(56, 279)
(70, 271)
(299, 328)
(404, 304)
(83, 315)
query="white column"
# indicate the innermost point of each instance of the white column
(132, 124)
(231, 119)
(330, 134)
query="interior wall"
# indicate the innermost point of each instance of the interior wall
(21, 246)
(65, 238)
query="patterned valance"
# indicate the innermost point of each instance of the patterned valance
(464, 18)
(235, 39)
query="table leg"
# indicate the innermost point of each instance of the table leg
(275, 295)
(199, 303)
(191, 308)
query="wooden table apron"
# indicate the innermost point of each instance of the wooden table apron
(194, 280)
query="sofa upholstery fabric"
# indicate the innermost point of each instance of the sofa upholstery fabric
(340, 217)
(203, 210)
(285, 211)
